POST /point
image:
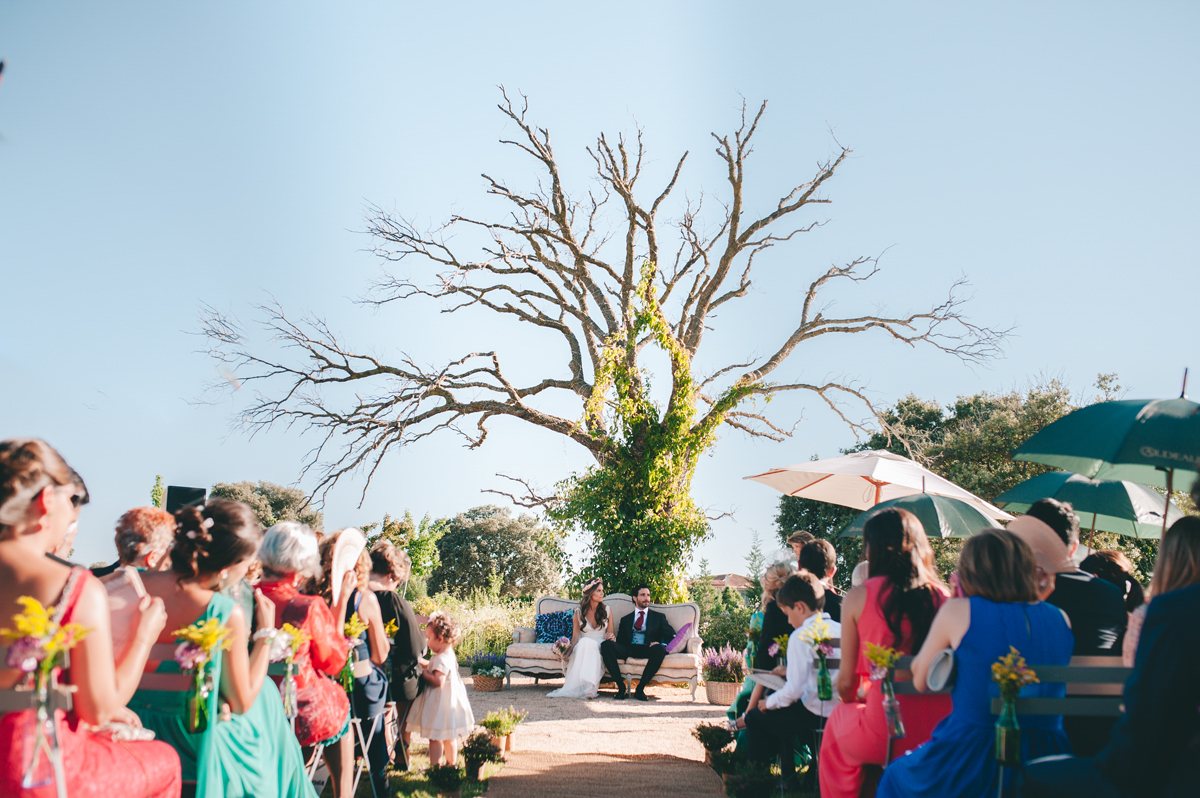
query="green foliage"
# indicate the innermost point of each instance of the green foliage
(637, 506)
(156, 493)
(480, 748)
(488, 545)
(756, 564)
(727, 629)
(447, 778)
(270, 502)
(487, 620)
(702, 593)
(714, 737)
(502, 722)
(724, 616)
(418, 540)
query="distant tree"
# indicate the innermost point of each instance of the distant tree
(756, 563)
(156, 493)
(418, 540)
(702, 593)
(486, 544)
(270, 502)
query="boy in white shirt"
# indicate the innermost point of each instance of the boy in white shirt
(794, 709)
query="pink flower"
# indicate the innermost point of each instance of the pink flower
(878, 672)
(189, 656)
(24, 653)
(826, 649)
(773, 650)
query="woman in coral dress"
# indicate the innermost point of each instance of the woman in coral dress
(895, 608)
(36, 496)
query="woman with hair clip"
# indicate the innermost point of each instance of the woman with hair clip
(371, 646)
(894, 607)
(253, 752)
(997, 574)
(592, 625)
(36, 507)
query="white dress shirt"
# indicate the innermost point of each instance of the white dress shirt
(801, 682)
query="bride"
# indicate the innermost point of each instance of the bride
(592, 626)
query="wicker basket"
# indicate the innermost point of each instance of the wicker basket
(721, 693)
(488, 684)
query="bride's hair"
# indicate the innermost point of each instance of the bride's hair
(601, 610)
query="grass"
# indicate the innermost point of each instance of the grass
(414, 782)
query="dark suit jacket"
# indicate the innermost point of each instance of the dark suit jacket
(657, 629)
(774, 624)
(407, 644)
(1161, 698)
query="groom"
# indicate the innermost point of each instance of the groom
(642, 634)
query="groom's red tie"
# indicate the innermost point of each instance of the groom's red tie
(640, 618)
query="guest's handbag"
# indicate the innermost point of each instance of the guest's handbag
(941, 671)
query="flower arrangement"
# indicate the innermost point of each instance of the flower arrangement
(479, 749)
(354, 627)
(1011, 674)
(445, 778)
(390, 628)
(820, 638)
(883, 661)
(502, 722)
(485, 663)
(285, 645)
(714, 737)
(560, 648)
(201, 641)
(778, 647)
(722, 665)
(37, 647)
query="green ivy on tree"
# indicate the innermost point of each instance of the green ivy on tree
(419, 540)
(156, 493)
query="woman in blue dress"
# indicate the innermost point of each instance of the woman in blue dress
(997, 572)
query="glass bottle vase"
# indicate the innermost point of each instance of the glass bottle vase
(824, 682)
(197, 701)
(891, 708)
(1008, 735)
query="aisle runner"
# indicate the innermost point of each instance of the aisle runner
(538, 774)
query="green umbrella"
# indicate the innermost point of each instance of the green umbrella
(1122, 507)
(1140, 440)
(942, 516)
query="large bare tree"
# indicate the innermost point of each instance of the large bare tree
(604, 276)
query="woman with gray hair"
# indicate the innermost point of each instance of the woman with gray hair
(289, 557)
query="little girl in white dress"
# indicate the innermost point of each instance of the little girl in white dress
(442, 713)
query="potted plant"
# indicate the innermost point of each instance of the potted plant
(487, 671)
(724, 671)
(751, 781)
(479, 749)
(724, 761)
(713, 737)
(501, 723)
(446, 779)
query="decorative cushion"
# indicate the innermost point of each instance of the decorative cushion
(552, 625)
(680, 640)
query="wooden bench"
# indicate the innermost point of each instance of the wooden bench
(1095, 688)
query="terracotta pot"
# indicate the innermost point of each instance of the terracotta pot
(488, 684)
(510, 742)
(721, 693)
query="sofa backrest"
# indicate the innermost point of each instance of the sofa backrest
(620, 605)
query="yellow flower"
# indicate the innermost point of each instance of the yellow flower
(816, 633)
(33, 621)
(355, 626)
(391, 628)
(65, 638)
(207, 636)
(1011, 673)
(883, 656)
(299, 637)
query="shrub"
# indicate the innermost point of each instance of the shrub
(727, 628)
(445, 777)
(723, 665)
(712, 736)
(480, 748)
(724, 761)
(487, 621)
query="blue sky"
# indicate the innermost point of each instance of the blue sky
(160, 156)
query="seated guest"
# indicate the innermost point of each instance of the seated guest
(252, 751)
(289, 556)
(371, 650)
(1115, 568)
(1177, 567)
(894, 607)
(390, 568)
(1096, 608)
(144, 537)
(820, 559)
(996, 571)
(36, 508)
(1152, 748)
(795, 709)
(774, 623)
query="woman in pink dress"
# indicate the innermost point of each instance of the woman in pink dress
(36, 506)
(893, 607)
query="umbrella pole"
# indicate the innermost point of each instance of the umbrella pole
(1167, 503)
(1092, 545)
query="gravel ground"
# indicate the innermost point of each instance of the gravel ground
(663, 725)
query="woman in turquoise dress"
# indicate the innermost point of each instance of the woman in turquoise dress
(997, 572)
(251, 751)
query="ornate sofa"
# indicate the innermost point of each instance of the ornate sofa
(531, 658)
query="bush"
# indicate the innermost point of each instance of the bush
(445, 777)
(480, 748)
(726, 628)
(712, 736)
(487, 621)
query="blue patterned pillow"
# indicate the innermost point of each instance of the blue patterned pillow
(552, 625)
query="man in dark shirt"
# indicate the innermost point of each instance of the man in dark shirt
(819, 558)
(1096, 609)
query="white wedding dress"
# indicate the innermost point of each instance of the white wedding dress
(585, 667)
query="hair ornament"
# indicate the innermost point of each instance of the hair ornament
(207, 523)
(191, 534)
(591, 584)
